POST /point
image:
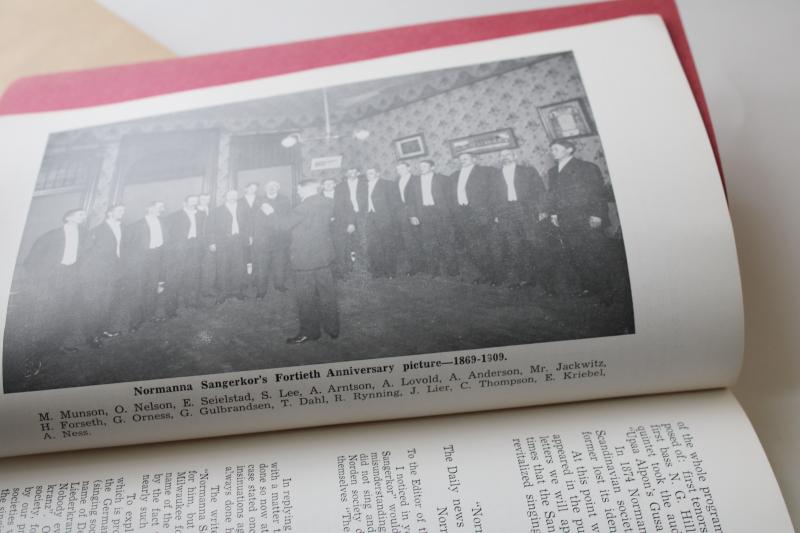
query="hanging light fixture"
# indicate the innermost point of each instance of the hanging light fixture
(293, 139)
(290, 140)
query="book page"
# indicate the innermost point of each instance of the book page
(527, 220)
(688, 462)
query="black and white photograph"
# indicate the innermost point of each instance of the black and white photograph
(466, 208)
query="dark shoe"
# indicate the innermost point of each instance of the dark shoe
(334, 336)
(67, 349)
(261, 294)
(240, 297)
(281, 288)
(300, 339)
(111, 334)
(95, 342)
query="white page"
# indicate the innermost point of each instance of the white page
(680, 258)
(680, 462)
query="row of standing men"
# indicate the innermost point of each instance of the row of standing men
(96, 283)
(508, 223)
(497, 217)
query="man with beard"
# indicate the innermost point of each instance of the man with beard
(145, 264)
(227, 242)
(311, 258)
(102, 276)
(54, 264)
(519, 197)
(184, 256)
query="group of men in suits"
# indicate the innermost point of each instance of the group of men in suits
(116, 274)
(505, 220)
(508, 222)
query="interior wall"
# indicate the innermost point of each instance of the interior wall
(509, 100)
(137, 196)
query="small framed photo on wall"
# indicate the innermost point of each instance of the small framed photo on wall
(566, 120)
(410, 146)
(481, 143)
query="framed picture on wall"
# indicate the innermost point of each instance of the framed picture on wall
(411, 146)
(329, 162)
(566, 120)
(480, 143)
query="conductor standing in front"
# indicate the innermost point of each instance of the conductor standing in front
(311, 257)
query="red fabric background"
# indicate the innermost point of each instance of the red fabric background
(85, 88)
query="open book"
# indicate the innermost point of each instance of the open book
(470, 231)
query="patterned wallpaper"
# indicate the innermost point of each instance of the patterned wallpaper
(508, 100)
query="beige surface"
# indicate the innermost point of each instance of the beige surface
(39, 36)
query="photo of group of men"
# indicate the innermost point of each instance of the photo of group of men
(502, 223)
(201, 248)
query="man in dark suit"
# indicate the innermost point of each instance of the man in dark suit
(329, 188)
(226, 239)
(249, 205)
(184, 256)
(348, 216)
(54, 264)
(579, 210)
(473, 186)
(519, 198)
(408, 221)
(382, 201)
(278, 258)
(102, 276)
(434, 201)
(144, 263)
(208, 266)
(311, 257)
